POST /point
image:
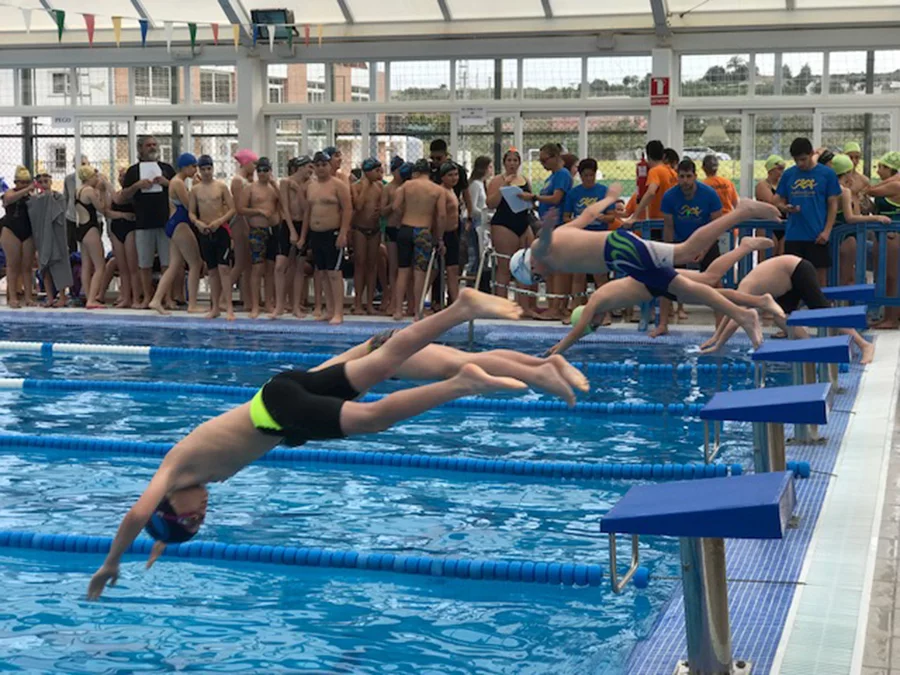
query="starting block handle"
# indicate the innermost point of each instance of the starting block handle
(619, 585)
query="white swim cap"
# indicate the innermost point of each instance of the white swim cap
(520, 266)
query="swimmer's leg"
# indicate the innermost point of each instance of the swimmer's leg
(363, 373)
(367, 418)
(355, 352)
(721, 265)
(703, 237)
(690, 291)
(616, 294)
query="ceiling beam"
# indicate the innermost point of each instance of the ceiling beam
(345, 10)
(445, 10)
(237, 13)
(143, 13)
(660, 9)
(548, 10)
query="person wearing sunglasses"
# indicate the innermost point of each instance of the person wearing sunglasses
(16, 238)
(295, 407)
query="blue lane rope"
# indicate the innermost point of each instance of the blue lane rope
(49, 349)
(510, 467)
(246, 393)
(529, 571)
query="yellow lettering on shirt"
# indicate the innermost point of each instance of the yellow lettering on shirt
(804, 184)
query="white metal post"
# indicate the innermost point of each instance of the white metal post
(662, 117)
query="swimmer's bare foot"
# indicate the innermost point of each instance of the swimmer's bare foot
(571, 374)
(317, 314)
(336, 321)
(397, 316)
(475, 381)
(299, 313)
(123, 304)
(158, 307)
(275, 313)
(325, 317)
(13, 304)
(749, 321)
(769, 305)
(750, 209)
(682, 314)
(606, 320)
(229, 315)
(61, 301)
(867, 353)
(710, 346)
(171, 305)
(354, 311)
(195, 309)
(477, 305)
(658, 331)
(370, 310)
(213, 313)
(756, 243)
(144, 305)
(548, 378)
(95, 305)
(254, 313)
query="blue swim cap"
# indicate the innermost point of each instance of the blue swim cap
(186, 159)
(204, 160)
(396, 162)
(331, 151)
(370, 164)
(406, 170)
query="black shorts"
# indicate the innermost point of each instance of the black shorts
(451, 243)
(326, 254)
(121, 228)
(707, 260)
(414, 247)
(305, 405)
(660, 293)
(215, 248)
(818, 254)
(390, 233)
(280, 242)
(70, 236)
(805, 288)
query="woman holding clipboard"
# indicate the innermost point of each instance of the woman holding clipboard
(510, 230)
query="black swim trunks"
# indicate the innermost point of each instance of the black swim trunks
(805, 288)
(301, 406)
(215, 248)
(327, 255)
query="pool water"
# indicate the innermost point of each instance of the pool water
(212, 617)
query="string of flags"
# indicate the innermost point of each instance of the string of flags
(256, 31)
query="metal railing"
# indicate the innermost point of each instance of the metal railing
(866, 232)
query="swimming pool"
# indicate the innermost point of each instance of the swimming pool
(243, 617)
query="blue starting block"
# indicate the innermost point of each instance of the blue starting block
(769, 410)
(834, 349)
(702, 514)
(831, 317)
(855, 293)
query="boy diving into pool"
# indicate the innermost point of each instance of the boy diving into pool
(296, 407)
(570, 249)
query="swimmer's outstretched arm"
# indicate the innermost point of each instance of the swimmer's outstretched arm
(595, 210)
(130, 527)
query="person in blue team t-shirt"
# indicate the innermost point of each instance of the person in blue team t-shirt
(809, 193)
(553, 196)
(577, 200)
(685, 208)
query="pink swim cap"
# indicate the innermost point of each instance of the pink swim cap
(245, 156)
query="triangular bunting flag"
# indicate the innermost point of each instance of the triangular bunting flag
(271, 29)
(319, 32)
(26, 17)
(60, 17)
(215, 32)
(89, 22)
(192, 29)
(306, 35)
(169, 30)
(117, 29)
(145, 26)
(236, 35)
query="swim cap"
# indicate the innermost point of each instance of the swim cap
(842, 164)
(396, 162)
(773, 161)
(263, 164)
(852, 146)
(320, 157)
(167, 529)
(446, 168)
(576, 317)
(406, 170)
(827, 157)
(204, 160)
(84, 172)
(370, 164)
(520, 266)
(245, 156)
(891, 160)
(422, 166)
(303, 160)
(331, 151)
(186, 159)
(22, 174)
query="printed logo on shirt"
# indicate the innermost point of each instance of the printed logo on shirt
(585, 202)
(804, 184)
(688, 211)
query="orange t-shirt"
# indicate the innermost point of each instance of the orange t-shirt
(725, 189)
(665, 177)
